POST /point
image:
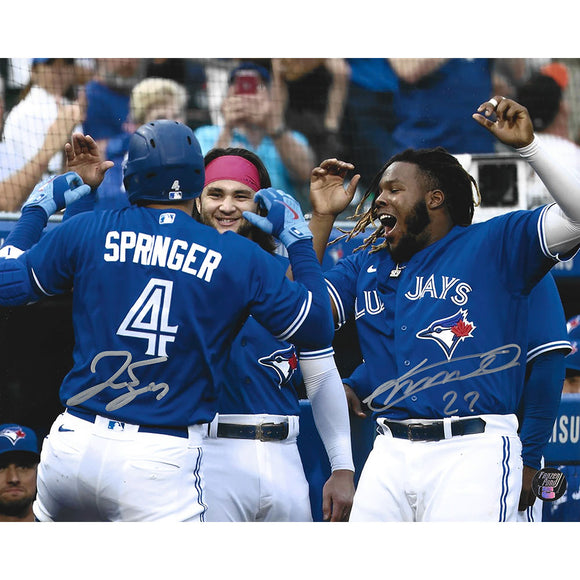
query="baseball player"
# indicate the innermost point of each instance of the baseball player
(252, 465)
(18, 463)
(567, 507)
(441, 308)
(154, 315)
(548, 346)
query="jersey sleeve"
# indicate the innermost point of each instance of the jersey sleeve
(297, 311)
(341, 281)
(520, 243)
(51, 262)
(546, 320)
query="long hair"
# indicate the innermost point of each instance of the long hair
(265, 241)
(441, 170)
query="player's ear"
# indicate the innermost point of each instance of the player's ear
(435, 199)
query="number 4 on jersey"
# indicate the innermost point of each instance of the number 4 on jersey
(148, 318)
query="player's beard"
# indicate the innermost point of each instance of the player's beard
(416, 238)
(16, 508)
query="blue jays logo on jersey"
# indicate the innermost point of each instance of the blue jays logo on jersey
(449, 332)
(13, 434)
(573, 323)
(284, 362)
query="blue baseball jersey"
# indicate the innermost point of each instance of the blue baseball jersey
(443, 334)
(158, 299)
(262, 373)
(547, 321)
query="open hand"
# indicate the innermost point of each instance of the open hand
(328, 193)
(84, 157)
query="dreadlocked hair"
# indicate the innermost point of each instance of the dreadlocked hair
(441, 170)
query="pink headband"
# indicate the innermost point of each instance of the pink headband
(235, 168)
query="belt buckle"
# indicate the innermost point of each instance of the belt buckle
(414, 430)
(418, 431)
(264, 436)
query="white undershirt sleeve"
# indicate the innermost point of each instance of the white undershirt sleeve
(329, 407)
(561, 221)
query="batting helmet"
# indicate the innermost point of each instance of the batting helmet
(164, 163)
(573, 359)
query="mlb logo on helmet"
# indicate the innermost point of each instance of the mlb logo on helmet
(175, 192)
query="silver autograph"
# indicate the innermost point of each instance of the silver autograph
(131, 393)
(490, 362)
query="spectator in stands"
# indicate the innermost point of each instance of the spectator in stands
(27, 124)
(543, 94)
(369, 116)
(254, 120)
(158, 98)
(435, 98)
(567, 508)
(314, 93)
(19, 457)
(108, 123)
(18, 176)
(191, 74)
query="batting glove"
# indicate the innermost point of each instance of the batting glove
(284, 219)
(57, 192)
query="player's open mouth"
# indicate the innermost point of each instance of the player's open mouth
(388, 222)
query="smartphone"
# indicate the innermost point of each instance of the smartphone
(246, 82)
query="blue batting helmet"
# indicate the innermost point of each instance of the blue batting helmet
(164, 163)
(573, 359)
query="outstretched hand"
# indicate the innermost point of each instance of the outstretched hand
(284, 219)
(328, 194)
(512, 124)
(84, 157)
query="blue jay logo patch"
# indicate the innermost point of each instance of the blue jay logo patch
(12, 434)
(449, 332)
(284, 362)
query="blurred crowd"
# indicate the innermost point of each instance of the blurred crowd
(292, 112)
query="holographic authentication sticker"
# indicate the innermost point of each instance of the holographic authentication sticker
(549, 484)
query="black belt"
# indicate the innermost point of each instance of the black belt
(433, 430)
(174, 431)
(263, 432)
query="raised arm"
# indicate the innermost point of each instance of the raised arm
(513, 127)
(329, 196)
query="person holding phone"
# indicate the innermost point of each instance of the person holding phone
(253, 116)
